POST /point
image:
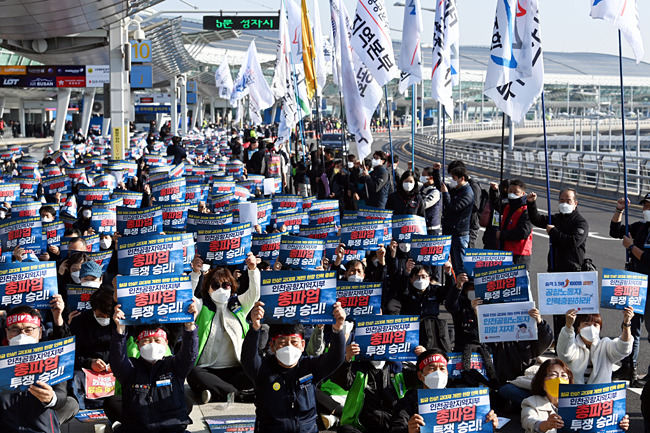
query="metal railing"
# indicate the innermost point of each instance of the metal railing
(598, 173)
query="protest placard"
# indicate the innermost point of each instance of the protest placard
(102, 258)
(359, 299)
(502, 284)
(231, 424)
(286, 201)
(225, 245)
(79, 297)
(266, 246)
(9, 191)
(103, 221)
(430, 250)
(54, 232)
(129, 198)
(20, 209)
(620, 289)
(87, 195)
(150, 255)
(110, 204)
(51, 362)
(477, 259)
(405, 226)
(52, 185)
(220, 202)
(366, 234)
(168, 190)
(291, 219)
(374, 213)
(163, 299)
(198, 220)
(22, 232)
(318, 231)
(301, 253)
(264, 210)
(29, 283)
(506, 322)
(298, 297)
(99, 384)
(92, 245)
(91, 416)
(592, 408)
(137, 222)
(391, 338)
(455, 410)
(563, 291)
(28, 186)
(327, 216)
(174, 214)
(195, 193)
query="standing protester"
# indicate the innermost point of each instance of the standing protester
(516, 234)
(477, 206)
(376, 181)
(432, 203)
(457, 213)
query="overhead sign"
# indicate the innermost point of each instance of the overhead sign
(141, 76)
(98, 75)
(152, 98)
(241, 22)
(191, 87)
(50, 76)
(140, 51)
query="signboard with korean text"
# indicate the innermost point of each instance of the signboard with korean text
(476, 259)
(79, 297)
(136, 222)
(31, 283)
(150, 255)
(455, 364)
(266, 246)
(502, 284)
(506, 322)
(560, 292)
(359, 299)
(592, 408)
(365, 234)
(228, 244)
(22, 232)
(430, 250)
(405, 226)
(620, 289)
(454, 410)
(161, 299)
(241, 22)
(390, 338)
(301, 253)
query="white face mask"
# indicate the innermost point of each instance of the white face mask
(221, 296)
(75, 277)
(350, 164)
(376, 162)
(153, 352)
(436, 379)
(103, 321)
(566, 208)
(590, 333)
(106, 243)
(408, 186)
(355, 278)
(47, 220)
(378, 364)
(96, 284)
(421, 284)
(3, 214)
(424, 179)
(453, 183)
(405, 248)
(646, 215)
(512, 196)
(22, 339)
(86, 213)
(288, 355)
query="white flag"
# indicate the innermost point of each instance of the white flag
(335, 41)
(515, 75)
(321, 73)
(294, 24)
(250, 81)
(445, 54)
(358, 123)
(223, 79)
(410, 56)
(624, 15)
(371, 40)
(283, 84)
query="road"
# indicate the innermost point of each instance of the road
(604, 251)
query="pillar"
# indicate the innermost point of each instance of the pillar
(62, 102)
(119, 78)
(89, 100)
(21, 117)
(174, 105)
(184, 106)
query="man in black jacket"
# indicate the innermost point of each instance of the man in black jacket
(474, 225)
(376, 181)
(176, 150)
(457, 208)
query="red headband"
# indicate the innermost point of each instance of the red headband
(157, 333)
(430, 360)
(23, 318)
(289, 335)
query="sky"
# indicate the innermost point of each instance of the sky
(566, 25)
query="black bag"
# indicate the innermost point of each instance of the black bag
(588, 265)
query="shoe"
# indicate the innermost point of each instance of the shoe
(206, 396)
(635, 382)
(245, 396)
(115, 426)
(622, 373)
(329, 421)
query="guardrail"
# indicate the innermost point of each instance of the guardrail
(597, 173)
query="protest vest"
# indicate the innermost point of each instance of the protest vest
(356, 396)
(522, 247)
(132, 351)
(204, 323)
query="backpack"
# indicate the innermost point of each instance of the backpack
(484, 210)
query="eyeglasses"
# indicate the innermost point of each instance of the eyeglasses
(555, 375)
(223, 285)
(14, 330)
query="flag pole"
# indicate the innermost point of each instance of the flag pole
(390, 137)
(503, 139)
(548, 182)
(620, 67)
(344, 142)
(444, 141)
(319, 142)
(413, 126)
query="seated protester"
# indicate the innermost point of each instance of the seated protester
(589, 357)
(285, 383)
(433, 374)
(70, 270)
(376, 264)
(421, 296)
(466, 339)
(373, 389)
(83, 221)
(222, 327)
(516, 231)
(90, 274)
(93, 330)
(42, 408)
(406, 200)
(48, 214)
(539, 412)
(153, 396)
(355, 270)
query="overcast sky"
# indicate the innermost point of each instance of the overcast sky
(566, 25)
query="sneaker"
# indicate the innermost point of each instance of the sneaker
(329, 421)
(115, 425)
(206, 396)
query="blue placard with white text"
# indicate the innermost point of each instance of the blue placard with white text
(266, 246)
(387, 338)
(455, 410)
(359, 299)
(137, 222)
(224, 245)
(620, 289)
(365, 234)
(150, 255)
(430, 250)
(502, 284)
(28, 283)
(592, 408)
(477, 259)
(301, 253)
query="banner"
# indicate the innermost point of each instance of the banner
(503, 284)
(264, 209)
(148, 255)
(51, 362)
(21, 209)
(390, 338)
(226, 245)
(137, 222)
(174, 215)
(620, 289)
(301, 253)
(455, 410)
(24, 232)
(478, 259)
(298, 297)
(10, 191)
(168, 190)
(365, 234)
(359, 299)
(79, 297)
(455, 364)
(27, 186)
(592, 408)
(99, 385)
(103, 221)
(286, 201)
(196, 193)
(129, 198)
(405, 226)
(506, 322)
(266, 246)
(319, 205)
(156, 300)
(430, 250)
(317, 217)
(562, 291)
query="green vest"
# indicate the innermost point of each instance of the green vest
(204, 323)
